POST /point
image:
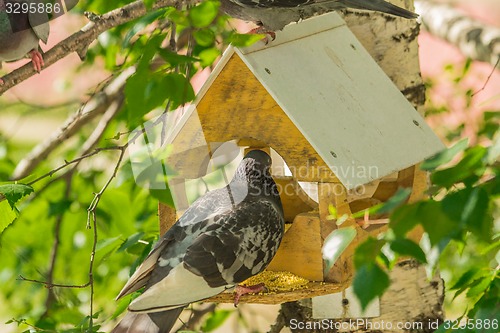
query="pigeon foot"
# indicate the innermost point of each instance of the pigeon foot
(37, 60)
(243, 290)
(269, 35)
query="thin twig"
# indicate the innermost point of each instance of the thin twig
(92, 215)
(76, 160)
(55, 246)
(99, 103)
(55, 285)
(66, 164)
(488, 78)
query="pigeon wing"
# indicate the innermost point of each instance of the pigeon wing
(39, 22)
(172, 246)
(238, 245)
(231, 248)
(142, 274)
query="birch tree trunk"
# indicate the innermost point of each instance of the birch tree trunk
(475, 39)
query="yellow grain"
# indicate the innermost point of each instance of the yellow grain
(277, 281)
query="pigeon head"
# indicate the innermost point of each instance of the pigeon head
(259, 157)
(255, 166)
(255, 171)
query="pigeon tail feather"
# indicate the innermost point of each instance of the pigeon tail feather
(157, 322)
(379, 6)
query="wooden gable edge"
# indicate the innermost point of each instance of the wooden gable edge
(226, 56)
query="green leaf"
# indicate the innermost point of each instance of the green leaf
(130, 241)
(204, 37)
(14, 192)
(478, 287)
(122, 306)
(369, 283)
(103, 243)
(59, 207)
(404, 219)
(368, 251)
(148, 51)
(105, 248)
(215, 320)
(244, 40)
(395, 201)
(7, 215)
(466, 278)
(143, 93)
(468, 208)
(470, 165)
(148, 3)
(146, 91)
(177, 88)
(475, 214)
(205, 13)
(406, 247)
(336, 243)
(491, 124)
(178, 17)
(494, 150)
(488, 310)
(436, 223)
(175, 59)
(162, 195)
(208, 56)
(138, 27)
(445, 156)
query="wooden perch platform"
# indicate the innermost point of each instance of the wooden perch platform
(312, 289)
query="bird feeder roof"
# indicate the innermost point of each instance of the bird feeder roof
(336, 95)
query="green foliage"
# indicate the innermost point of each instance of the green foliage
(460, 220)
(463, 216)
(370, 282)
(215, 320)
(204, 14)
(14, 192)
(7, 215)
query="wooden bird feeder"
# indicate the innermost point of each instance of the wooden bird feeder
(318, 99)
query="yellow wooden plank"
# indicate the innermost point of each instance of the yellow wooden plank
(300, 249)
(295, 201)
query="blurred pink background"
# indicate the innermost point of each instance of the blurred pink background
(59, 82)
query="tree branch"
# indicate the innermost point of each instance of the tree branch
(279, 324)
(51, 297)
(98, 104)
(475, 39)
(53, 285)
(80, 40)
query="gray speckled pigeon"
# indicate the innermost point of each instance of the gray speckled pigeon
(223, 238)
(273, 15)
(21, 32)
